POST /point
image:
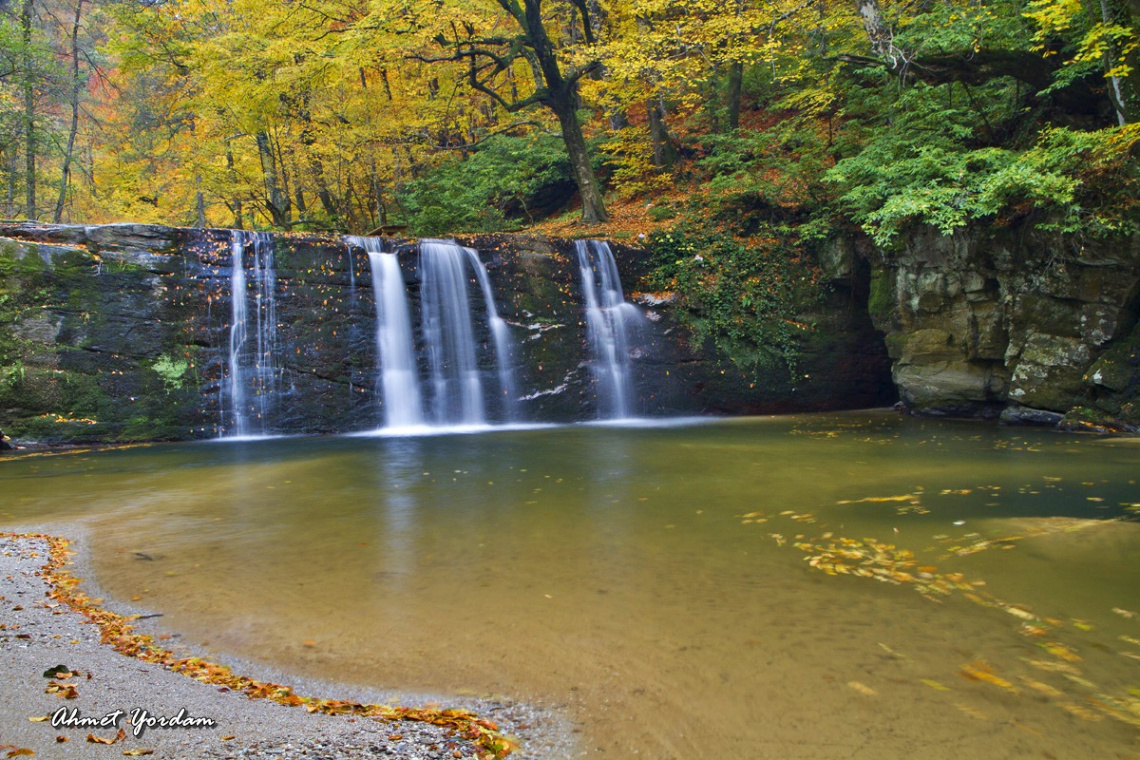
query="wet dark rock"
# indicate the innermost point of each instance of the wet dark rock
(993, 319)
(127, 327)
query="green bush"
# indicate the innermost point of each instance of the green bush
(503, 179)
(744, 297)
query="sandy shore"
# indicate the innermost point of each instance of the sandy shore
(97, 693)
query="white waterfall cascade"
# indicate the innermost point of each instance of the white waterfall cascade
(455, 394)
(399, 376)
(609, 320)
(252, 381)
(500, 336)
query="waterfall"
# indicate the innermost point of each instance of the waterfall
(455, 394)
(501, 337)
(608, 319)
(251, 367)
(399, 376)
(457, 388)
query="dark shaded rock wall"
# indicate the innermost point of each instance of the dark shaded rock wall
(121, 332)
(1010, 320)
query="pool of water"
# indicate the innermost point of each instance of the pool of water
(826, 586)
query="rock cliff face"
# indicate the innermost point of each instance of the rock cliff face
(1011, 322)
(122, 332)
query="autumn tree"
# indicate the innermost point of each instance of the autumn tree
(506, 44)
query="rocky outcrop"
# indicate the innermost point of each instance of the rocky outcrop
(1012, 322)
(121, 332)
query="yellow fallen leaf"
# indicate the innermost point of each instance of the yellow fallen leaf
(1044, 688)
(40, 719)
(861, 688)
(138, 752)
(1058, 649)
(935, 685)
(93, 739)
(1080, 712)
(978, 671)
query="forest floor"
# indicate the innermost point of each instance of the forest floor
(54, 668)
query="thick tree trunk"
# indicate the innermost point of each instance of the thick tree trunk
(663, 153)
(563, 100)
(276, 200)
(732, 95)
(593, 205)
(65, 172)
(29, 111)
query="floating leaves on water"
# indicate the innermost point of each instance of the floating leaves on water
(1081, 712)
(983, 672)
(912, 497)
(1058, 649)
(862, 688)
(1020, 612)
(1130, 640)
(1054, 667)
(1124, 613)
(1044, 688)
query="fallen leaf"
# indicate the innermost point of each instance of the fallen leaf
(40, 719)
(1044, 688)
(861, 688)
(138, 752)
(935, 685)
(93, 739)
(19, 752)
(980, 671)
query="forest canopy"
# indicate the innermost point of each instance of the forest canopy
(441, 116)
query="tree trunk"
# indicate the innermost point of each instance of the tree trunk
(563, 99)
(593, 205)
(29, 111)
(663, 153)
(239, 222)
(65, 173)
(732, 96)
(1122, 91)
(879, 32)
(276, 201)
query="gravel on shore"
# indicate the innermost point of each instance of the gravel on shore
(49, 714)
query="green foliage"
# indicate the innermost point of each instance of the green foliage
(500, 181)
(747, 298)
(930, 164)
(171, 370)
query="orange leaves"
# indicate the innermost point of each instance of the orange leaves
(62, 690)
(981, 672)
(117, 631)
(93, 739)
